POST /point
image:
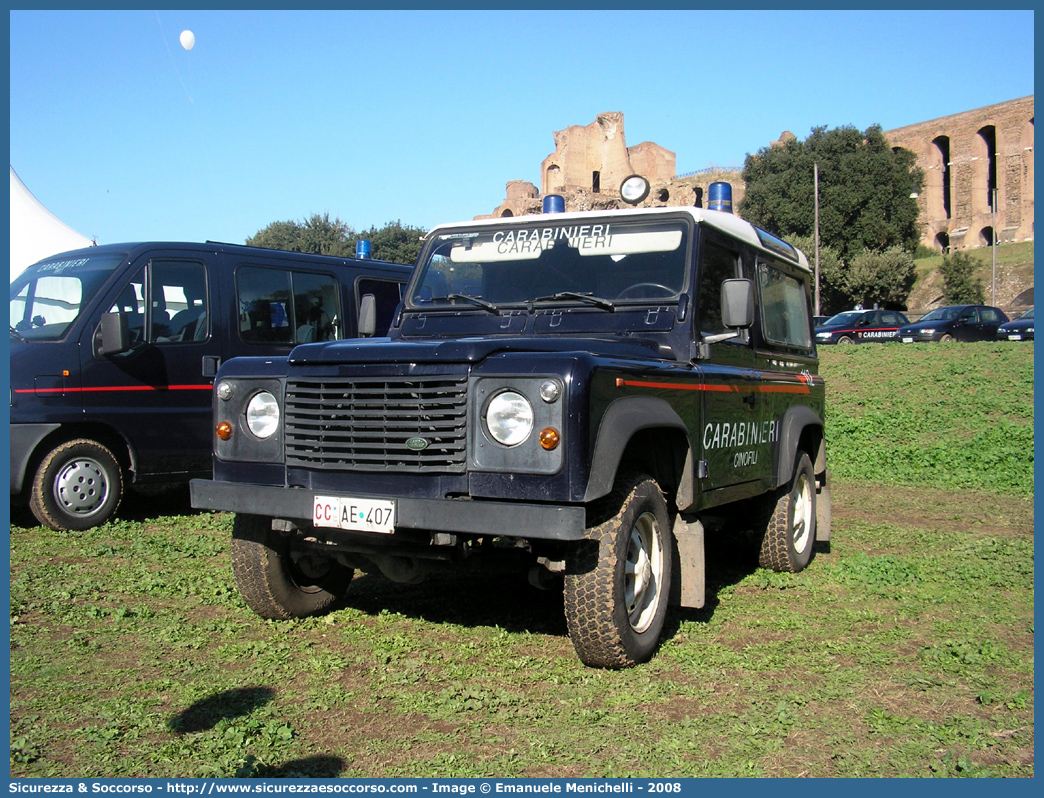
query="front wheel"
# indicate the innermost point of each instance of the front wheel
(279, 580)
(947, 339)
(617, 581)
(844, 339)
(790, 528)
(78, 485)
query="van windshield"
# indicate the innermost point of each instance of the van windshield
(602, 263)
(49, 296)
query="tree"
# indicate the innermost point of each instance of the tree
(394, 242)
(864, 190)
(881, 278)
(317, 235)
(959, 287)
(321, 235)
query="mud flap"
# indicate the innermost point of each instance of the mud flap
(823, 507)
(688, 587)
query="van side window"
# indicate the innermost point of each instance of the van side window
(279, 306)
(178, 294)
(388, 295)
(718, 264)
(785, 313)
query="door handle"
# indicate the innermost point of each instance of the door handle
(750, 398)
(210, 365)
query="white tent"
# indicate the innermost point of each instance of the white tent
(35, 231)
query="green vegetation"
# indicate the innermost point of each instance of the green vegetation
(1014, 267)
(904, 650)
(321, 235)
(959, 285)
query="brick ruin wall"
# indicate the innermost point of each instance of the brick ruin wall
(964, 157)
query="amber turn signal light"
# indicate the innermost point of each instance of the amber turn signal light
(549, 438)
(224, 430)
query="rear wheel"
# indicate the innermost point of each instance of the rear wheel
(78, 485)
(617, 581)
(279, 579)
(790, 529)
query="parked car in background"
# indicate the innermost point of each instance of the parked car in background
(1020, 329)
(955, 323)
(861, 326)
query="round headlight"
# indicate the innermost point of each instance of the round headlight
(262, 414)
(549, 391)
(509, 418)
(225, 391)
(634, 189)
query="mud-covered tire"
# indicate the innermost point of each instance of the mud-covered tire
(78, 486)
(618, 580)
(279, 581)
(947, 339)
(789, 533)
(844, 339)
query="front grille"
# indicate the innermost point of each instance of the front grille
(363, 423)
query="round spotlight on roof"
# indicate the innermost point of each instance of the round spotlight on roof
(634, 189)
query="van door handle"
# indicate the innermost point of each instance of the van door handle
(210, 365)
(750, 398)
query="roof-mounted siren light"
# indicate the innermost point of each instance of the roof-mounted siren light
(362, 249)
(634, 189)
(554, 203)
(720, 197)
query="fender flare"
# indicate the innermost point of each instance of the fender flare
(795, 421)
(622, 419)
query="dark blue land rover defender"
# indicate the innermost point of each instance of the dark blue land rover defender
(589, 391)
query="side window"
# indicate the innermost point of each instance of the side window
(265, 305)
(718, 264)
(316, 308)
(989, 314)
(889, 318)
(277, 306)
(387, 293)
(969, 315)
(178, 299)
(131, 305)
(785, 312)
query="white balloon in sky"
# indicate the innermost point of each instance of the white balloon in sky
(188, 39)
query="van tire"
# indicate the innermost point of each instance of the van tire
(628, 548)
(789, 532)
(278, 581)
(78, 486)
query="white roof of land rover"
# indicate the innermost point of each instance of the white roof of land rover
(726, 222)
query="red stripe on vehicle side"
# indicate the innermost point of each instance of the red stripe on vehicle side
(676, 386)
(118, 388)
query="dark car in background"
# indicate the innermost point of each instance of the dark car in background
(955, 323)
(861, 326)
(1020, 329)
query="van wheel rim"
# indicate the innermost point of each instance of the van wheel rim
(643, 572)
(81, 487)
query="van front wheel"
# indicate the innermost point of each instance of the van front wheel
(78, 485)
(279, 580)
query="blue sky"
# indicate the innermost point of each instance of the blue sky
(423, 116)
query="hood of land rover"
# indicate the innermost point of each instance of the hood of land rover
(474, 350)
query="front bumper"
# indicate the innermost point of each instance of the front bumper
(919, 338)
(464, 516)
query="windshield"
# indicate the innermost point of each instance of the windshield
(49, 296)
(847, 318)
(600, 264)
(1027, 315)
(942, 314)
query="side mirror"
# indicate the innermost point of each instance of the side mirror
(367, 316)
(113, 335)
(737, 303)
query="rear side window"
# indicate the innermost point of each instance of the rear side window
(990, 314)
(388, 295)
(785, 311)
(278, 306)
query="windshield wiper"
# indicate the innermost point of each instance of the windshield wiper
(587, 297)
(16, 334)
(474, 300)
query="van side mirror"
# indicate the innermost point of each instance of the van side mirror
(367, 316)
(113, 334)
(737, 303)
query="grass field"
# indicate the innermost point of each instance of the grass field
(906, 649)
